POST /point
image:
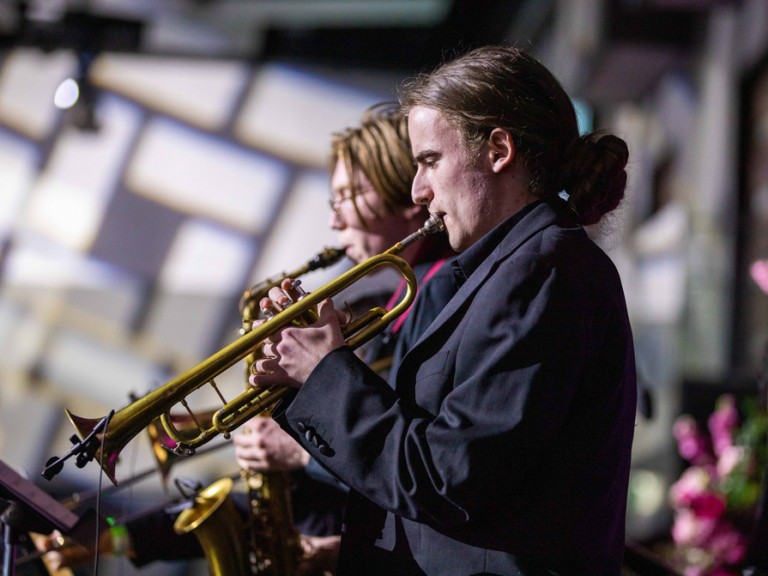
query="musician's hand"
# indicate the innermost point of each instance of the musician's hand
(287, 293)
(320, 555)
(262, 446)
(292, 353)
(63, 552)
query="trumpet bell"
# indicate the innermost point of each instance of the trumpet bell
(109, 445)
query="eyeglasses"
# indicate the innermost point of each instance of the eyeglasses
(335, 203)
(349, 194)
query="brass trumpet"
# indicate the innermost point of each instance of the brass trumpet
(163, 446)
(126, 423)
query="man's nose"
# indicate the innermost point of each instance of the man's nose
(335, 221)
(421, 193)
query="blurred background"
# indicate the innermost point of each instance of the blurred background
(157, 157)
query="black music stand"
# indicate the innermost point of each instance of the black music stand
(26, 508)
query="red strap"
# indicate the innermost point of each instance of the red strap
(398, 323)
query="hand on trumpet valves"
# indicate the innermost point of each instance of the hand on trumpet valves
(290, 354)
(262, 446)
(281, 296)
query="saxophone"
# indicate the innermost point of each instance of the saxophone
(274, 545)
(264, 545)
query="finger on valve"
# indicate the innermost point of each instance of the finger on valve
(279, 297)
(292, 289)
(268, 309)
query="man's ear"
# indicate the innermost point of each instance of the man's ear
(501, 149)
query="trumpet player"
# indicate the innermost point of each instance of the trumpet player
(371, 170)
(502, 444)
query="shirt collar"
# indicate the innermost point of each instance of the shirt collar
(468, 261)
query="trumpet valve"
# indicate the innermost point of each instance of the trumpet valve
(296, 285)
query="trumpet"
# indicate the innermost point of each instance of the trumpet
(163, 446)
(117, 429)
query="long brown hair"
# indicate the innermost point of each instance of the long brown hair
(503, 87)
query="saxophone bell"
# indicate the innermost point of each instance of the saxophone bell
(219, 528)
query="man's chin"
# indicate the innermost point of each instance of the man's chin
(354, 255)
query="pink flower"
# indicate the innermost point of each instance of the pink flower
(689, 529)
(730, 458)
(706, 542)
(691, 443)
(685, 527)
(727, 544)
(693, 482)
(759, 272)
(723, 422)
(708, 505)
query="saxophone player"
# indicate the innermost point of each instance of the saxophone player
(371, 175)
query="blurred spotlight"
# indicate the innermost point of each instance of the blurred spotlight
(66, 94)
(79, 96)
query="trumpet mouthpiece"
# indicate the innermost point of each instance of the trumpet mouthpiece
(434, 224)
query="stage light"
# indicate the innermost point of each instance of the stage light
(66, 94)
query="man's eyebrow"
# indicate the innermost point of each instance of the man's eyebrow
(423, 155)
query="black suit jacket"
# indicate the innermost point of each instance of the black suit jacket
(505, 446)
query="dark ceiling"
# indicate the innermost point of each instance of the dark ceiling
(639, 40)
(402, 48)
(387, 35)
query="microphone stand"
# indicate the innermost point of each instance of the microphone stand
(12, 519)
